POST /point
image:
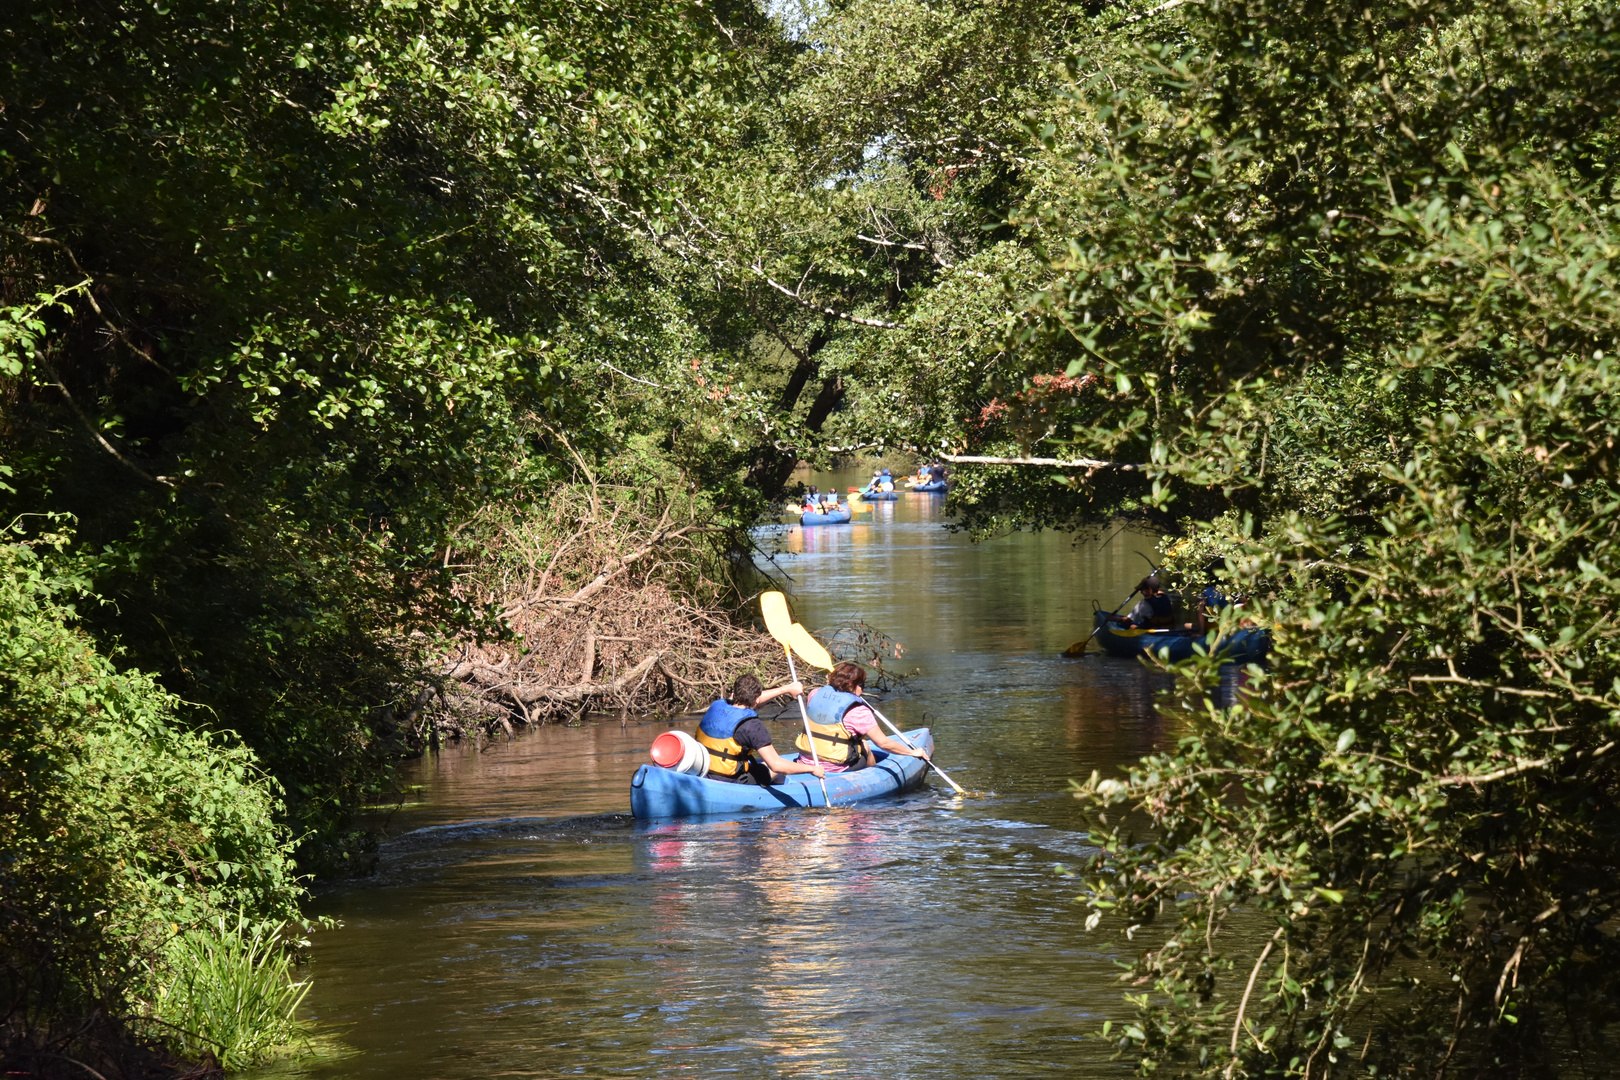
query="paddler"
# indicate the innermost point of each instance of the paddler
(844, 727)
(885, 481)
(1155, 610)
(739, 745)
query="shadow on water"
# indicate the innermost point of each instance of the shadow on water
(521, 924)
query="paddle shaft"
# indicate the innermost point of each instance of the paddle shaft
(908, 742)
(1080, 649)
(808, 736)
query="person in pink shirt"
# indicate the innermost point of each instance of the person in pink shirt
(844, 728)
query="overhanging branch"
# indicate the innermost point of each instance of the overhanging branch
(1060, 463)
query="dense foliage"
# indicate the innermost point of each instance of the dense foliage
(120, 827)
(294, 290)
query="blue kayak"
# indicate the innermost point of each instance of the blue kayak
(931, 487)
(880, 496)
(1246, 646)
(825, 519)
(656, 792)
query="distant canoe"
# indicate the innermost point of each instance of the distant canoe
(1245, 646)
(838, 518)
(879, 496)
(657, 792)
(932, 487)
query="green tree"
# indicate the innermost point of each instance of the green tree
(1346, 269)
(294, 290)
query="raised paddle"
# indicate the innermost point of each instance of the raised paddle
(773, 605)
(812, 652)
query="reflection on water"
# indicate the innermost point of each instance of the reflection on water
(522, 925)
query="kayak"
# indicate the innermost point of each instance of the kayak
(656, 792)
(931, 486)
(1245, 646)
(879, 496)
(839, 518)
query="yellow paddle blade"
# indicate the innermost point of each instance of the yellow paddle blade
(773, 605)
(808, 648)
(1078, 648)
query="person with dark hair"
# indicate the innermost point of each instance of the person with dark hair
(1155, 610)
(843, 726)
(739, 745)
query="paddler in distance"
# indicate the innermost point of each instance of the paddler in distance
(843, 725)
(1154, 611)
(739, 745)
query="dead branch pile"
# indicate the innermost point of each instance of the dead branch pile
(613, 601)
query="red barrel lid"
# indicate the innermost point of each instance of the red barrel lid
(667, 750)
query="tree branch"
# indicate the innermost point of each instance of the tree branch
(793, 294)
(1237, 1026)
(1073, 463)
(582, 691)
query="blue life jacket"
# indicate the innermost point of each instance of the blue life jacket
(723, 717)
(728, 759)
(1162, 606)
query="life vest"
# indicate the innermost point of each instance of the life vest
(728, 758)
(1163, 608)
(835, 743)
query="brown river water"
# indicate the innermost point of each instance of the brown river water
(521, 924)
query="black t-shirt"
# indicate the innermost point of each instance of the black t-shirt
(752, 734)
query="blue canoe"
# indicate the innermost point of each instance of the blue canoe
(880, 496)
(825, 519)
(664, 793)
(1246, 646)
(931, 487)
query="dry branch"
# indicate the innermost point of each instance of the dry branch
(617, 605)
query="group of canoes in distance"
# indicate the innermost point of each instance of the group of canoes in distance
(732, 764)
(819, 509)
(930, 479)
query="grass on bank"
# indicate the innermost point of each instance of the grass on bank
(229, 991)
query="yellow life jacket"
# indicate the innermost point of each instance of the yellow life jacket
(835, 743)
(728, 758)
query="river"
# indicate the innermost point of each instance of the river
(521, 924)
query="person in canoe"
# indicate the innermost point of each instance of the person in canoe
(739, 745)
(885, 481)
(1154, 611)
(845, 729)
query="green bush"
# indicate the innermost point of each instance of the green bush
(120, 830)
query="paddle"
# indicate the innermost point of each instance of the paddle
(811, 652)
(1079, 647)
(773, 605)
